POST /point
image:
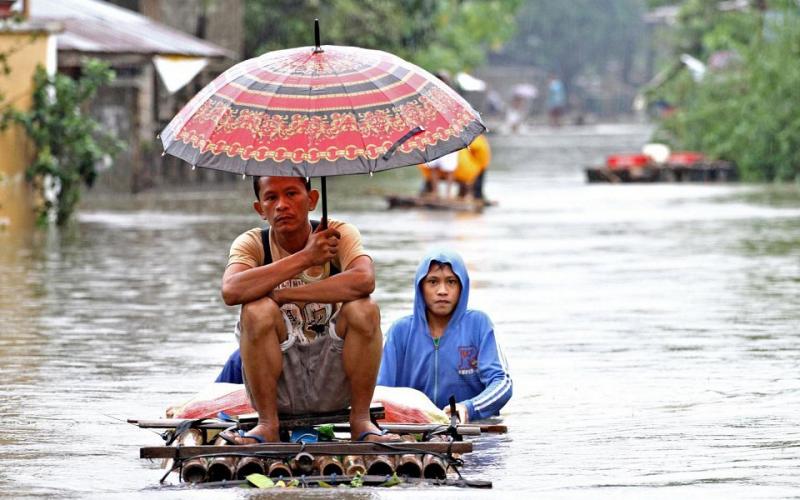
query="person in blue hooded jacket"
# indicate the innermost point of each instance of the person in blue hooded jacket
(444, 348)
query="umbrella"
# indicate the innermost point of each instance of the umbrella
(321, 111)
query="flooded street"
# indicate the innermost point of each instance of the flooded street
(653, 331)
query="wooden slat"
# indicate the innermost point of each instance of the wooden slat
(341, 448)
(376, 411)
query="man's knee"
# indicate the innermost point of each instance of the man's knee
(261, 316)
(363, 314)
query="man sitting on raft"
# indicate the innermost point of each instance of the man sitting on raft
(445, 349)
(309, 334)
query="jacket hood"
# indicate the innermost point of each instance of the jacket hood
(445, 256)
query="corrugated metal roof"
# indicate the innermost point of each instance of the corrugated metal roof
(100, 27)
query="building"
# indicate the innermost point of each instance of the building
(158, 68)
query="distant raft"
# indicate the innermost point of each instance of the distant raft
(431, 203)
(684, 166)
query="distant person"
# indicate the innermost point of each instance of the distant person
(444, 348)
(556, 100)
(443, 169)
(472, 164)
(515, 114)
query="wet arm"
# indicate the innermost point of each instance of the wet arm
(242, 284)
(493, 371)
(355, 282)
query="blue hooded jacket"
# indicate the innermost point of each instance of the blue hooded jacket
(466, 363)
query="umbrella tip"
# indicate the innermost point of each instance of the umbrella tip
(316, 37)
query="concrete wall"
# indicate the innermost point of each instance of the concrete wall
(26, 50)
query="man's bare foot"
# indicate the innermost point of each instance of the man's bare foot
(259, 434)
(370, 433)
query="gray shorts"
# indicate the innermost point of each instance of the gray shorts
(313, 378)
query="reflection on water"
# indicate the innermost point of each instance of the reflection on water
(651, 330)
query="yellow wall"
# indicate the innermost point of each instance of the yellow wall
(27, 50)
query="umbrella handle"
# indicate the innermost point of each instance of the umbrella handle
(323, 188)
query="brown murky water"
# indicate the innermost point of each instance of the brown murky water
(653, 331)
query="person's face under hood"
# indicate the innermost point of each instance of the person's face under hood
(441, 290)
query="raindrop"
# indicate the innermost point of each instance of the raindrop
(194, 167)
(163, 154)
(244, 176)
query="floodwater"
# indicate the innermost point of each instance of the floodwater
(653, 331)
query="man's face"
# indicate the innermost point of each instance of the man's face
(284, 202)
(441, 289)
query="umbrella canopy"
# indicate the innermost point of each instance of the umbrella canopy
(321, 111)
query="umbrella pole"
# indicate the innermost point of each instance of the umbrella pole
(324, 223)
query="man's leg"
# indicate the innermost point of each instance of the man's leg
(359, 323)
(263, 331)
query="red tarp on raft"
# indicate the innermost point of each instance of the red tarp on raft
(401, 404)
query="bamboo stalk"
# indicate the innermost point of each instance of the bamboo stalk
(221, 468)
(379, 465)
(278, 468)
(344, 448)
(329, 465)
(409, 465)
(194, 470)
(354, 464)
(249, 465)
(302, 464)
(433, 467)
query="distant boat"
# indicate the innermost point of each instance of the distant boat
(681, 166)
(430, 203)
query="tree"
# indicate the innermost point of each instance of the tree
(68, 143)
(577, 37)
(749, 111)
(436, 34)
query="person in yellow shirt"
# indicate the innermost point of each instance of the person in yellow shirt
(469, 173)
(471, 170)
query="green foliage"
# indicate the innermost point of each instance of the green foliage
(436, 34)
(68, 143)
(748, 113)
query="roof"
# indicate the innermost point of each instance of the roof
(94, 26)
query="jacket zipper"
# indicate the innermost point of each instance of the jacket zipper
(435, 370)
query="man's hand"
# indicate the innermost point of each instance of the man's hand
(461, 410)
(276, 296)
(322, 245)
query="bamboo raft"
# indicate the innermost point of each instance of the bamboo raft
(429, 454)
(430, 203)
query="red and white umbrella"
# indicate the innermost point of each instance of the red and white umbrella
(321, 111)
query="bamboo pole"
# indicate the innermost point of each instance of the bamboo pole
(221, 468)
(354, 464)
(379, 465)
(344, 448)
(196, 469)
(409, 465)
(277, 469)
(433, 467)
(329, 465)
(249, 465)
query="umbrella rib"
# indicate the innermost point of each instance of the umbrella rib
(394, 106)
(287, 63)
(448, 119)
(355, 116)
